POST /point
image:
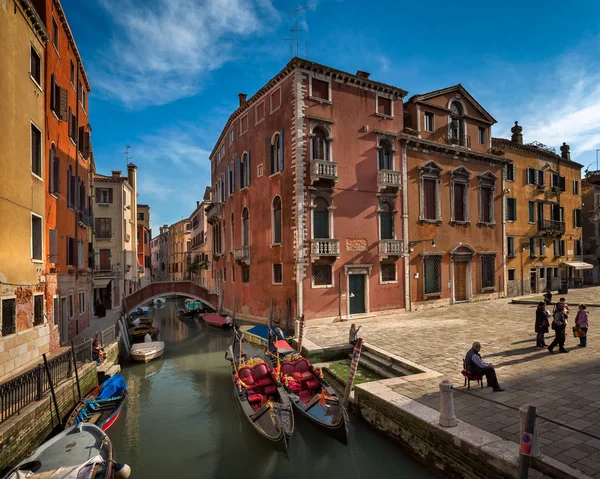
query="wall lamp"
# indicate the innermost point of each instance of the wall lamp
(412, 244)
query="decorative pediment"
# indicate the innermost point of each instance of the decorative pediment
(431, 168)
(461, 174)
(487, 179)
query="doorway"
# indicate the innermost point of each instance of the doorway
(460, 281)
(356, 291)
(533, 280)
(64, 321)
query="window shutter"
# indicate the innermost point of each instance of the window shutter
(53, 93)
(248, 169)
(529, 171)
(239, 169)
(269, 155)
(64, 101)
(110, 195)
(281, 151)
(562, 183)
(514, 210)
(228, 176)
(514, 171)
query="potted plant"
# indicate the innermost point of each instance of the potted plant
(494, 150)
(411, 131)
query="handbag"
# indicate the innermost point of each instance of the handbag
(578, 332)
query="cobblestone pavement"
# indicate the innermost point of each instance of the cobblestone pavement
(565, 388)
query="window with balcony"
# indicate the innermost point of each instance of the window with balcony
(386, 155)
(322, 275)
(432, 266)
(36, 151)
(103, 228)
(386, 221)
(36, 237)
(276, 152)
(429, 121)
(320, 145)
(487, 184)
(321, 225)
(430, 175)
(276, 220)
(459, 191)
(488, 271)
(510, 246)
(245, 228)
(36, 66)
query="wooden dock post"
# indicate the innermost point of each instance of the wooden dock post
(52, 389)
(353, 367)
(300, 333)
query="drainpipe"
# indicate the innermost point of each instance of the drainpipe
(504, 240)
(76, 133)
(407, 286)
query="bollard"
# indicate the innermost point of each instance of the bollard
(300, 334)
(535, 445)
(296, 329)
(353, 366)
(527, 437)
(447, 417)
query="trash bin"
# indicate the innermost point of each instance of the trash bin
(564, 288)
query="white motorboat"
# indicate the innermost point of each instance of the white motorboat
(147, 351)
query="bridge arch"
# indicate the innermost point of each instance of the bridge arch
(170, 288)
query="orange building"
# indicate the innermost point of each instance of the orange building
(69, 163)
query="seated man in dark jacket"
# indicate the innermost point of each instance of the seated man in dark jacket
(475, 365)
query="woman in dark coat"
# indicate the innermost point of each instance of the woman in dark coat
(542, 324)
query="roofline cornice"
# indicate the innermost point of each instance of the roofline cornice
(36, 21)
(505, 143)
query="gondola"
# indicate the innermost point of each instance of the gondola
(192, 309)
(217, 321)
(102, 406)
(261, 402)
(83, 451)
(309, 392)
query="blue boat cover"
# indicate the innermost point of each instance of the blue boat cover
(113, 387)
(260, 330)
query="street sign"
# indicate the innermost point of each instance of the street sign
(526, 442)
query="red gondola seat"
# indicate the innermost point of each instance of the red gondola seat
(255, 398)
(270, 390)
(313, 384)
(287, 368)
(302, 365)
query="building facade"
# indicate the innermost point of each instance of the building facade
(115, 230)
(590, 191)
(26, 313)
(543, 214)
(200, 248)
(305, 209)
(144, 235)
(453, 197)
(179, 248)
(160, 255)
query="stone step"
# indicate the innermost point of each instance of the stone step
(373, 366)
(115, 369)
(388, 364)
(104, 367)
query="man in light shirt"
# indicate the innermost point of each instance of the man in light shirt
(477, 366)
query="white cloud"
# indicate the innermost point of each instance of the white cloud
(160, 51)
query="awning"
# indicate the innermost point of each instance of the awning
(577, 265)
(101, 282)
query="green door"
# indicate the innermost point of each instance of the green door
(357, 293)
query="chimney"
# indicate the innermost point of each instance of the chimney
(362, 74)
(242, 97)
(517, 133)
(565, 151)
(131, 175)
(116, 173)
(197, 203)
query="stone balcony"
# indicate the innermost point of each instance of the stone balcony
(213, 213)
(388, 179)
(241, 254)
(390, 247)
(323, 170)
(325, 248)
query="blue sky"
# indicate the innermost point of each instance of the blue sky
(165, 74)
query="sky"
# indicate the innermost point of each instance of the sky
(165, 74)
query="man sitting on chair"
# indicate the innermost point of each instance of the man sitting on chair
(477, 366)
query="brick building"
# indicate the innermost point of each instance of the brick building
(306, 205)
(543, 216)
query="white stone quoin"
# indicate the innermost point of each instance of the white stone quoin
(447, 417)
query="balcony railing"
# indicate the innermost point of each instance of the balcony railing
(552, 227)
(83, 217)
(241, 254)
(103, 234)
(213, 213)
(389, 179)
(464, 140)
(325, 247)
(323, 170)
(390, 247)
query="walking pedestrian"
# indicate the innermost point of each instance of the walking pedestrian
(559, 324)
(582, 323)
(542, 323)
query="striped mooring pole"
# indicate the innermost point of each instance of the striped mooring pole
(301, 334)
(353, 366)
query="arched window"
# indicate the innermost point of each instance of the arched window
(385, 156)
(320, 145)
(245, 231)
(456, 109)
(277, 152)
(456, 123)
(386, 221)
(321, 219)
(277, 220)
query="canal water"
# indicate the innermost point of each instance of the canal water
(180, 421)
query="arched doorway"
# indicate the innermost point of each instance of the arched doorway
(462, 284)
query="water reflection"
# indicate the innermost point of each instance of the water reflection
(180, 420)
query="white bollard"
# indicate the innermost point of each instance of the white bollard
(296, 329)
(535, 445)
(447, 417)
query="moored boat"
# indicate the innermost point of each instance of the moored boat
(138, 333)
(147, 351)
(83, 451)
(217, 321)
(262, 402)
(102, 406)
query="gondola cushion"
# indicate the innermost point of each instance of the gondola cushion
(255, 398)
(302, 365)
(312, 384)
(270, 390)
(297, 376)
(294, 386)
(287, 368)
(244, 372)
(264, 382)
(260, 371)
(248, 381)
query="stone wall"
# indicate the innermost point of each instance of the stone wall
(22, 434)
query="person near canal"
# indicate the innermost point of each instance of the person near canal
(582, 323)
(559, 324)
(542, 323)
(354, 334)
(97, 351)
(477, 366)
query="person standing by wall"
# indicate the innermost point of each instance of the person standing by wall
(542, 324)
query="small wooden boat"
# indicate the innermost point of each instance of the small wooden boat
(138, 333)
(102, 406)
(310, 393)
(82, 452)
(261, 401)
(217, 321)
(147, 351)
(141, 311)
(141, 322)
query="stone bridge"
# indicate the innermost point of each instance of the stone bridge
(170, 288)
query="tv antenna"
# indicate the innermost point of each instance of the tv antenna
(291, 40)
(127, 157)
(295, 32)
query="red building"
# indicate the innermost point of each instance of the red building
(306, 205)
(70, 166)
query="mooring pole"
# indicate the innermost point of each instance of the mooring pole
(75, 367)
(52, 389)
(526, 443)
(447, 417)
(340, 295)
(353, 366)
(535, 445)
(300, 333)
(233, 313)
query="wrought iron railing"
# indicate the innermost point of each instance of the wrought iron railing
(390, 178)
(83, 217)
(107, 336)
(552, 226)
(391, 247)
(33, 384)
(103, 234)
(325, 247)
(323, 170)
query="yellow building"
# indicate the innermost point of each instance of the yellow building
(22, 195)
(179, 248)
(543, 216)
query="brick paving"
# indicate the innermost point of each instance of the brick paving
(565, 388)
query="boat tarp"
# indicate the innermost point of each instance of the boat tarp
(113, 387)
(81, 471)
(260, 330)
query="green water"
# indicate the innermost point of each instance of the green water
(180, 421)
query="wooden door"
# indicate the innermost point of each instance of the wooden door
(357, 293)
(460, 281)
